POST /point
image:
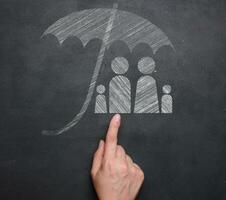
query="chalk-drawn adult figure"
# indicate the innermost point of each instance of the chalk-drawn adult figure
(146, 99)
(120, 87)
(100, 104)
(167, 100)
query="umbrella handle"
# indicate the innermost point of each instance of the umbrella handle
(97, 68)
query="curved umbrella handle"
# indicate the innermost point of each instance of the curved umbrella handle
(92, 85)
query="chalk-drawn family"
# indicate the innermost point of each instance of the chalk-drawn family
(146, 98)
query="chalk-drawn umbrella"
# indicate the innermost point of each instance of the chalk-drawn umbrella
(108, 25)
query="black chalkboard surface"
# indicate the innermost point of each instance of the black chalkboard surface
(43, 84)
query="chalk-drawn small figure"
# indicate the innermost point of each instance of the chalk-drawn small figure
(167, 100)
(100, 104)
(146, 100)
(120, 87)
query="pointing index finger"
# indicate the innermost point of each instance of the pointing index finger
(112, 136)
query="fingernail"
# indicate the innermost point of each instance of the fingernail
(117, 118)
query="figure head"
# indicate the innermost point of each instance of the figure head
(166, 89)
(146, 65)
(100, 89)
(120, 65)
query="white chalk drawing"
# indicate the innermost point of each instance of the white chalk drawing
(101, 103)
(120, 88)
(167, 100)
(146, 90)
(108, 25)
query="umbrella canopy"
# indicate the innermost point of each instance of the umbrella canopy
(108, 25)
(128, 27)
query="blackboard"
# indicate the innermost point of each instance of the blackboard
(43, 85)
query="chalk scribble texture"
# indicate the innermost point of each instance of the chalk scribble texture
(101, 103)
(128, 27)
(108, 25)
(167, 100)
(146, 90)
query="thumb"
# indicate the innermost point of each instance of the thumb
(97, 158)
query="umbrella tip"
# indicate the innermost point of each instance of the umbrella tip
(115, 5)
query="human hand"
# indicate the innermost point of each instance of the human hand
(115, 176)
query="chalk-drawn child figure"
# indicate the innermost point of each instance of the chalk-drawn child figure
(100, 104)
(120, 87)
(167, 100)
(146, 100)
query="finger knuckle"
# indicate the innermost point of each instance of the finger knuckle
(141, 174)
(128, 157)
(130, 160)
(108, 164)
(123, 168)
(110, 138)
(133, 170)
(121, 149)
